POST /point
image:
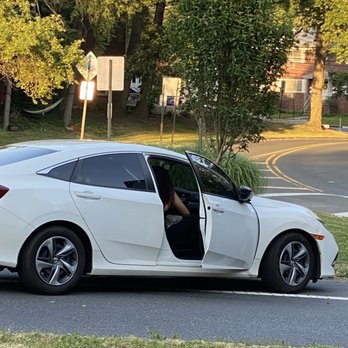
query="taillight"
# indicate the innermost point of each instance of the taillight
(3, 191)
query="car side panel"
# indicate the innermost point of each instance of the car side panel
(232, 233)
(127, 224)
(32, 201)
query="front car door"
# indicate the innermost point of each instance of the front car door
(231, 228)
(123, 213)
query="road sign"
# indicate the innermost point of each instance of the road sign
(86, 90)
(117, 73)
(89, 66)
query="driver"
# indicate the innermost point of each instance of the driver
(184, 236)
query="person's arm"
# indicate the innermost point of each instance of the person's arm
(180, 206)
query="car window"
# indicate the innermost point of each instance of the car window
(13, 154)
(113, 170)
(180, 174)
(62, 172)
(212, 179)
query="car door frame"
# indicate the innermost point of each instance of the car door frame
(217, 255)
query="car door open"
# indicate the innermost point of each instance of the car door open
(231, 228)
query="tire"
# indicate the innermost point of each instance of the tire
(53, 261)
(288, 265)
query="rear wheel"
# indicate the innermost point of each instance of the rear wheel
(288, 264)
(53, 261)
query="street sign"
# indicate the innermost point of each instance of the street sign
(86, 90)
(89, 66)
(116, 65)
(170, 90)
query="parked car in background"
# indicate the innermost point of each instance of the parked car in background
(72, 207)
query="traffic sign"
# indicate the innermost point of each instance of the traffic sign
(110, 73)
(89, 66)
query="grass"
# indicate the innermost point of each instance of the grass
(126, 129)
(134, 130)
(339, 228)
(277, 130)
(335, 120)
(37, 340)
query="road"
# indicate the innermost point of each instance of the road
(201, 309)
(308, 172)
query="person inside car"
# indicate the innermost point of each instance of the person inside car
(184, 235)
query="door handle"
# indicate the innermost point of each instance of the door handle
(218, 210)
(88, 195)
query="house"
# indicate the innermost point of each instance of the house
(295, 83)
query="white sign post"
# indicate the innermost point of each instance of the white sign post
(88, 69)
(110, 78)
(170, 88)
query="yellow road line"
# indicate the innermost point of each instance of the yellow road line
(298, 148)
(274, 156)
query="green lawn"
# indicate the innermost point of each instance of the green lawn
(336, 120)
(339, 228)
(127, 129)
(36, 340)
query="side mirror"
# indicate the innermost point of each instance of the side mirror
(245, 194)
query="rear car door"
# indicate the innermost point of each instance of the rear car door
(231, 228)
(120, 207)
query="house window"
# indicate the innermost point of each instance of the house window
(294, 86)
(296, 56)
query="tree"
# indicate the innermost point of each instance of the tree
(329, 19)
(335, 29)
(229, 53)
(147, 58)
(99, 24)
(33, 54)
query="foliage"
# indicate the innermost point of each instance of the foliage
(33, 52)
(335, 28)
(145, 62)
(340, 83)
(329, 19)
(105, 16)
(228, 64)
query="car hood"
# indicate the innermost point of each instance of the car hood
(260, 203)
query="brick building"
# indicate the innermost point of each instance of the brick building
(295, 83)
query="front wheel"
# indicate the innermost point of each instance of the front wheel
(288, 264)
(53, 261)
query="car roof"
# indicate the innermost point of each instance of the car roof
(94, 145)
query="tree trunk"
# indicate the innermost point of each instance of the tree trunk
(318, 83)
(7, 107)
(159, 13)
(69, 102)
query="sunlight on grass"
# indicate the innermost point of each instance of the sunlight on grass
(38, 340)
(280, 130)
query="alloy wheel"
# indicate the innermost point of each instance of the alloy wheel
(56, 260)
(294, 263)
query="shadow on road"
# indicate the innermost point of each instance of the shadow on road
(99, 284)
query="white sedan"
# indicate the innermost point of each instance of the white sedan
(70, 207)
